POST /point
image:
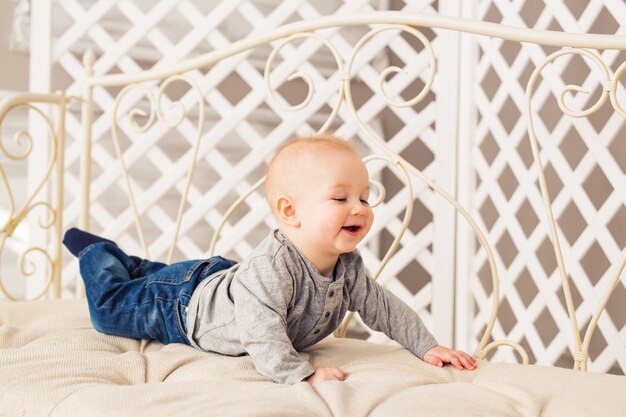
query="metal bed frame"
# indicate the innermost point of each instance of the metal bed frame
(569, 43)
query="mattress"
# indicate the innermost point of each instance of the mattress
(53, 363)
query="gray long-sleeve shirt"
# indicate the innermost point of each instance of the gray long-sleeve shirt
(276, 302)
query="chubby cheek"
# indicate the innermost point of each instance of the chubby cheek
(369, 220)
(327, 224)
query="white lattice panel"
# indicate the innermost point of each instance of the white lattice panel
(585, 168)
(242, 124)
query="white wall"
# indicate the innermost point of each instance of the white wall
(13, 65)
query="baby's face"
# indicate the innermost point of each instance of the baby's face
(332, 202)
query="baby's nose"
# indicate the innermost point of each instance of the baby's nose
(358, 207)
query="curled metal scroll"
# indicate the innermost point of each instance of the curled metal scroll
(609, 91)
(611, 87)
(25, 267)
(24, 142)
(306, 78)
(482, 353)
(156, 113)
(229, 213)
(381, 191)
(382, 79)
(375, 140)
(393, 69)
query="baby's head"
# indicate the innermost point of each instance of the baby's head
(318, 188)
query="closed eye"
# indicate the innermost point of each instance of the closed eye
(340, 199)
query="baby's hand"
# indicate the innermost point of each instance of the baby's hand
(439, 355)
(325, 374)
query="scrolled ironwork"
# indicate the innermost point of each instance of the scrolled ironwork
(50, 142)
(23, 138)
(306, 78)
(19, 138)
(609, 83)
(14, 218)
(380, 195)
(576, 88)
(481, 353)
(157, 113)
(613, 89)
(137, 112)
(28, 269)
(393, 69)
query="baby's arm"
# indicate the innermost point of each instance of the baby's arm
(383, 311)
(261, 300)
(439, 355)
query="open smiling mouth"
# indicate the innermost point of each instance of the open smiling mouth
(352, 229)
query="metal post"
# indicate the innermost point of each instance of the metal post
(85, 162)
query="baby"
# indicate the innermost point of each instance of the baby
(292, 291)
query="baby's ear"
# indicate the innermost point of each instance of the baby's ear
(286, 211)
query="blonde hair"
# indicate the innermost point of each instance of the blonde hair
(289, 157)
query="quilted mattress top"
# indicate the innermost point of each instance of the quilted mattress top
(53, 363)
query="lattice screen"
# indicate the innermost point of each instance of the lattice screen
(585, 166)
(241, 119)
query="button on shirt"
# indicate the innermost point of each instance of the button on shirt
(276, 303)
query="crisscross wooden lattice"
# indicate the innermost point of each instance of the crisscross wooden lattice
(585, 178)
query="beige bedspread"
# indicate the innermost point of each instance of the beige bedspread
(53, 363)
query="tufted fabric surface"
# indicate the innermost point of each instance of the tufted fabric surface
(53, 363)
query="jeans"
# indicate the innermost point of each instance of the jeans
(133, 297)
